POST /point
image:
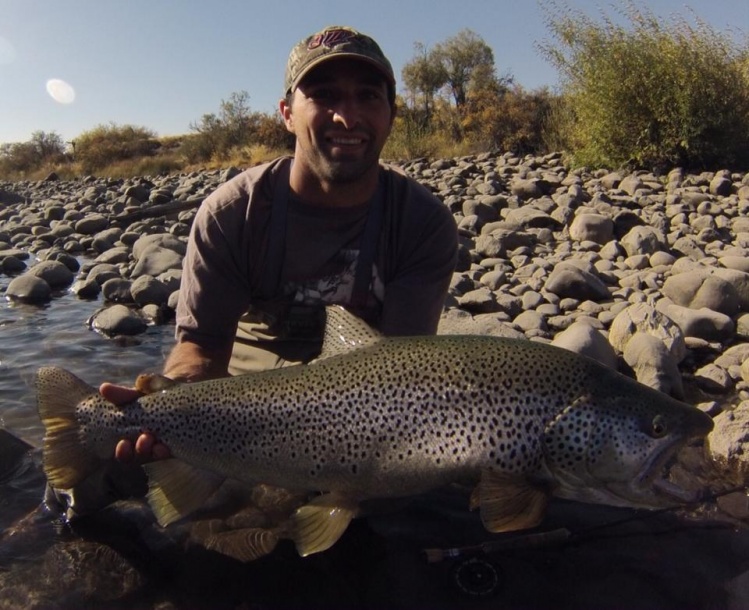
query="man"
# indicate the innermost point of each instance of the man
(274, 245)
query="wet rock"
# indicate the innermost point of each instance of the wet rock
(147, 290)
(102, 272)
(86, 289)
(10, 265)
(55, 273)
(117, 290)
(29, 288)
(118, 320)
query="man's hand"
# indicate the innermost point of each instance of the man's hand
(146, 448)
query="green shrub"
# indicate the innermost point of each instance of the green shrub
(109, 144)
(655, 93)
(508, 118)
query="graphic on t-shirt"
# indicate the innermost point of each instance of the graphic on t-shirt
(336, 285)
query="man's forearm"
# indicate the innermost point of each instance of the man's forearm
(190, 362)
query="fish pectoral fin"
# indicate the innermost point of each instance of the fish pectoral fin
(509, 503)
(245, 544)
(176, 489)
(318, 525)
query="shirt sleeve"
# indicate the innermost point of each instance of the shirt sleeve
(215, 286)
(415, 294)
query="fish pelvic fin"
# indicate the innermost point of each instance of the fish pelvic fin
(318, 525)
(177, 489)
(66, 459)
(245, 544)
(344, 332)
(509, 503)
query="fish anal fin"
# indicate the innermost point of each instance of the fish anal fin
(344, 332)
(177, 489)
(245, 544)
(509, 503)
(318, 525)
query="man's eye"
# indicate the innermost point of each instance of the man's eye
(321, 94)
(370, 95)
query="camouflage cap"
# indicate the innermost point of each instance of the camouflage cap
(333, 42)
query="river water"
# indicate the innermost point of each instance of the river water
(57, 334)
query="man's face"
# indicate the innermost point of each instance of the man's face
(341, 116)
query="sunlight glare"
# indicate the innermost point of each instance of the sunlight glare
(60, 91)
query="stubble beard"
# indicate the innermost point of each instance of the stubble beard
(343, 170)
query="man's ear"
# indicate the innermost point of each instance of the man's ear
(284, 107)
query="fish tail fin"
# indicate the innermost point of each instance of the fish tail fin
(66, 460)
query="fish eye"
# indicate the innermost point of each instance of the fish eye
(658, 427)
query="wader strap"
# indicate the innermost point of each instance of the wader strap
(368, 249)
(271, 274)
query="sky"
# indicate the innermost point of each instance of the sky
(69, 66)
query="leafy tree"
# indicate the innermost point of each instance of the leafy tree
(21, 158)
(468, 62)
(48, 145)
(423, 77)
(232, 127)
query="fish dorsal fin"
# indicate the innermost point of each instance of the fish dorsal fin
(177, 489)
(246, 544)
(318, 525)
(345, 332)
(509, 503)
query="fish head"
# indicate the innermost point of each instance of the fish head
(612, 447)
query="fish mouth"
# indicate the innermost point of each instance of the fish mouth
(651, 488)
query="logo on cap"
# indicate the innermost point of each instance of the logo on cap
(331, 38)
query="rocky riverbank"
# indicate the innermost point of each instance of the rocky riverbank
(649, 274)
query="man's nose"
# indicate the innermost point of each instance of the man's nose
(347, 112)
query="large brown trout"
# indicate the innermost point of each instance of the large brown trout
(378, 417)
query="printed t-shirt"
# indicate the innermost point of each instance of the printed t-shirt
(221, 296)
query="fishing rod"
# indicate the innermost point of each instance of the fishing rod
(475, 576)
